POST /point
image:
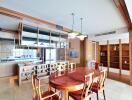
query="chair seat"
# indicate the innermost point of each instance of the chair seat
(47, 93)
(77, 95)
(96, 88)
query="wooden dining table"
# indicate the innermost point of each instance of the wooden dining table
(71, 80)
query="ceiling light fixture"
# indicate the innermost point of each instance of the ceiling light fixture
(73, 34)
(81, 36)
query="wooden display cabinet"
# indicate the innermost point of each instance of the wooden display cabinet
(125, 56)
(114, 56)
(103, 55)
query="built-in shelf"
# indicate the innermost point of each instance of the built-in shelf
(103, 55)
(115, 56)
(125, 56)
(114, 62)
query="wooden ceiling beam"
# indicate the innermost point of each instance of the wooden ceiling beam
(121, 5)
(22, 16)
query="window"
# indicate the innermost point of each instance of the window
(50, 55)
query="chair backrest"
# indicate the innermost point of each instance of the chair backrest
(36, 86)
(72, 66)
(53, 68)
(37, 94)
(61, 67)
(87, 86)
(96, 65)
(102, 78)
(42, 69)
(93, 64)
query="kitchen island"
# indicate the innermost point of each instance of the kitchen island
(9, 67)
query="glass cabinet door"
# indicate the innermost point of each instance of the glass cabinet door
(50, 55)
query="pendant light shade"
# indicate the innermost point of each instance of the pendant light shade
(73, 33)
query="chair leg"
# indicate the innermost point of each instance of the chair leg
(97, 96)
(104, 94)
(90, 98)
(61, 95)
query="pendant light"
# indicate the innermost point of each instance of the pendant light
(73, 34)
(81, 36)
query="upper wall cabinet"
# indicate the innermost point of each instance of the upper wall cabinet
(34, 36)
(29, 35)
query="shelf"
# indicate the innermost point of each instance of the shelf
(125, 64)
(103, 61)
(114, 62)
(125, 56)
(103, 56)
(114, 56)
(114, 50)
(103, 50)
(115, 67)
(126, 50)
(125, 67)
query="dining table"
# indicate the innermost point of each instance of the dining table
(71, 79)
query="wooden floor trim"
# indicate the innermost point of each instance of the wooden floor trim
(118, 77)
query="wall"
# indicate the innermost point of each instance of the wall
(8, 35)
(82, 53)
(60, 53)
(86, 51)
(74, 45)
(90, 50)
(6, 44)
(113, 38)
(6, 48)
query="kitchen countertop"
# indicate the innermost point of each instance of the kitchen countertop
(18, 60)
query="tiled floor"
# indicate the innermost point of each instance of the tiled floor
(114, 91)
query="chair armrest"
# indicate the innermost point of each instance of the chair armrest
(58, 92)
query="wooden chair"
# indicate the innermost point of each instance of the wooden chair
(72, 66)
(61, 67)
(39, 95)
(53, 68)
(85, 93)
(67, 64)
(96, 65)
(61, 63)
(98, 86)
(42, 70)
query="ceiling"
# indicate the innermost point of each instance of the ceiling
(112, 38)
(129, 7)
(98, 15)
(8, 22)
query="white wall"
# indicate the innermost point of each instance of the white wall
(113, 38)
(7, 35)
